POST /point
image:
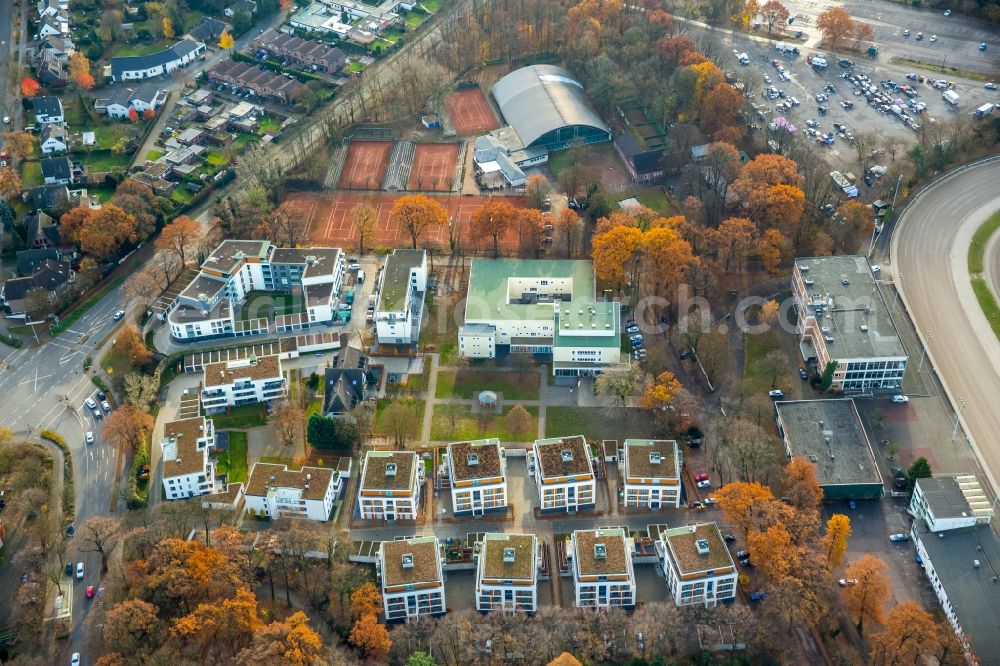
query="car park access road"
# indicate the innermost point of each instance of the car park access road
(929, 250)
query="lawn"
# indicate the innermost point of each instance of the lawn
(180, 195)
(115, 363)
(979, 240)
(597, 423)
(431, 5)
(233, 462)
(392, 35)
(141, 48)
(656, 199)
(457, 423)
(413, 19)
(243, 139)
(31, 174)
(268, 124)
(382, 426)
(413, 382)
(466, 383)
(215, 158)
(268, 304)
(101, 162)
(244, 416)
(760, 369)
(354, 67)
(436, 338)
(154, 155)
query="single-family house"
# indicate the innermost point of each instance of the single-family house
(29, 261)
(53, 139)
(147, 97)
(57, 170)
(346, 383)
(50, 26)
(48, 110)
(45, 197)
(116, 104)
(245, 6)
(161, 63)
(52, 276)
(209, 30)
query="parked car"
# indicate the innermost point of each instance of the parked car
(106, 406)
(90, 591)
(102, 396)
(709, 501)
(729, 538)
(900, 399)
(803, 375)
(75, 659)
(746, 563)
(97, 414)
(898, 537)
(851, 505)
(69, 568)
(79, 570)
(701, 477)
(89, 402)
(776, 394)
(757, 596)
(847, 582)
(704, 484)
(990, 86)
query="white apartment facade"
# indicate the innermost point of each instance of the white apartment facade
(652, 472)
(697, 565)
(507, 573)
(242, 382)
(273, 491)
(950, 502)
(478, 474)
(603, 576)
(400, 297)
(563, 473)
(543, 307)
(390, 486)
(412, 578)
(187, 470)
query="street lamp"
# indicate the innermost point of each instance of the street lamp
(924, 352)
(961, 406)
(896, 191)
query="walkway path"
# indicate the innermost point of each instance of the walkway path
(425, 430)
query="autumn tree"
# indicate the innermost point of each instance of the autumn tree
(568, 224)
(773, 552)
(615, 254)
(10, 183)
(666, 260)
(493, 220)
(800, 488)
(131, 627)
(167, 28)
(722, 162)
(371, 637)
(226, 40)
(909, 636)
(38, 303)
(528, 224)
(773, 248)
(662, 391)
(737, 500)
(364, 219)
(366, 600)
(773, 13)
(836, 25)
(620, 384)
(106, 231)
(861, 32)
(141, 389)
(854, 220)
(130, 344)
(720, 110)
(866, 599)
(128, 427)
(79, 71)
(779, 205)
(288, 422)
(537, 189)
(732, 242)
(179, 237)
(416, 213)
(519, 423)
(137, 199)
(19, 145)
(29, 87)
(290, 641)
(99, 535)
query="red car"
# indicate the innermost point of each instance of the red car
(90, 591)
(702, 477)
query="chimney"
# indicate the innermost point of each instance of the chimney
(600, 551)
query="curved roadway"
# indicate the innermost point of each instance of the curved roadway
(929, 261)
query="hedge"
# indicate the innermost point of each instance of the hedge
(69, 494)
(10, 341)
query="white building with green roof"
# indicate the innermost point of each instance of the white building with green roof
(401, 289)
(540, 306)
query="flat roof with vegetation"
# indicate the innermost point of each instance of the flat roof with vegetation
(487, 459)
(615, 560)
(683, 548)
(375, 477)
(488, 297)
(639, 458)
(396, 280)
(494, 564)
(426, 561)
(551, 462)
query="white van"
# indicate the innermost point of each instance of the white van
(361, 277)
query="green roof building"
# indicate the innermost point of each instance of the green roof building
(401, 290)
(540, 306)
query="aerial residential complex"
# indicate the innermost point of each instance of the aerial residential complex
(540, 306)
(210, 306)
(602, 568)
(564, 474)
(652, 474)
(412, 578)
(697, 565)
(187, 471)
(477, 471)
(274, 490)
(507, 573)
(391, 484)
(241, 382)
(400, 301)
(843, 319)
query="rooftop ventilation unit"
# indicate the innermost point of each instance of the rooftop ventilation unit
(508, 555)
(407, 560)
(702, 546)
(804, 268)
(600, 551)
(567, 455)
(845, 282)
(655, 457)
(864, 328)
(390, 469)
(472, 459)
(809, 282)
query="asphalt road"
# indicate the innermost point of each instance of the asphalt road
(929, 250)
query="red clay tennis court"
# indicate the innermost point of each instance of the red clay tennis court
(329, 217)
(433, 167)
(470, 113)
(365, 165)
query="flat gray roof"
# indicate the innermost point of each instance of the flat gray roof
(829, 434)
(944, 497)
(396, 278)
(857, 303)
(971, 590)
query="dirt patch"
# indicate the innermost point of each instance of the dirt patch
(365, 166)
(433, 167)
(470, 113)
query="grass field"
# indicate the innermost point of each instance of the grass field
(759, 370)
(354, 67)
(432, 338)
(233, 462)
(115, 363)
(268, 124)
(31, 174)
(243, 139)
(101, 162)
(597, 423)
(413, 19)
(245, 416)
(180, 195)
(466, 383)
(382, 426)
(215, 158)
(457, 422)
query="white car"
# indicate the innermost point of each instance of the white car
(933, 38)
(704, 484)
(89, 402)
(876, 268)
(89, 437)
(118, 315)
(898, 537)
(776, 394)
(6, 120)
(947, 12)
(990, 86)
(79, 570)
(900, 399)
(75, 659)
(845, 582)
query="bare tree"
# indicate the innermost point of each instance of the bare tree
(99, 535)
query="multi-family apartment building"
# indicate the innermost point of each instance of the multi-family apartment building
(208, 307)
(507, 572)
(564, 474)
(843, 319)
(477, 471)
(950, 502)
(247, 381)
(400, 297)
(390, 486)
(697, 565)
(538, 306)
(651, 473)
(603, 576)
(274, 490)
(412, 578)
(187, 470)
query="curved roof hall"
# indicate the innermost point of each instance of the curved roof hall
(540, 99)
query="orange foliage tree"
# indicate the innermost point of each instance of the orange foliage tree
(29, 87)
(668, 258)
(10, 183)
(104, 234)
(662, 391)
(834, 544)
(127, 427)
(226, 40)
(800, 486)
(615, 254)
(416, 213)
(568, 223)
(493, 220)
(129, 343)
(732, 242)
(866, 599)
(79, 71)
(74, 221)
(773, 13)
(773, 248)
(773, 552)
(371, 637)
(737, 500)
(720, 108)
(366, 600)
(179, 237)
(835, 24)
(909, 636)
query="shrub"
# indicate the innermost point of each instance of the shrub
(10, 341)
